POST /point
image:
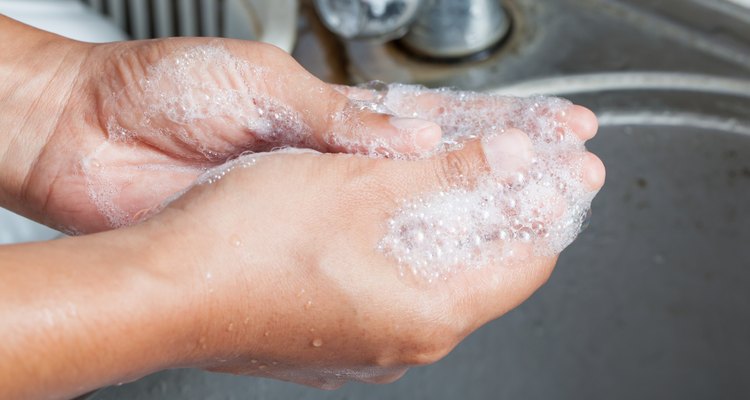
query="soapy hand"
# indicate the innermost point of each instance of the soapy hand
(143, 119)
(291, 283)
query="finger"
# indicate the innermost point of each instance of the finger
(338, 124)
(428, 103)
(356, 93)
(502, 156)
(593, 172)
(473, 217)
(356, 130)
(581, 120)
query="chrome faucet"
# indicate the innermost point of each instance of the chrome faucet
(434, 28)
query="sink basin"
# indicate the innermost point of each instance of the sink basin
(653, 300)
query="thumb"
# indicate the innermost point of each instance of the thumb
(356, 129)
(492, 211)
(502, 156)
(339, 124)
(457, 219)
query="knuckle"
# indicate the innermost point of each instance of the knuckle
(454, 169)
(429, 344)
(270, 50)
(428, 352)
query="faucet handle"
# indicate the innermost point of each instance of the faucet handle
(368, 19)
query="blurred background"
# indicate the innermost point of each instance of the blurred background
(653, 300)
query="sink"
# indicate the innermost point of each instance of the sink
(653, 300)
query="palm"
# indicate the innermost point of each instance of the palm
(161, 117)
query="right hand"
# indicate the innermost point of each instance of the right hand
(280, 265)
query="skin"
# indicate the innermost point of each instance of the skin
(78, 88)
(271, 271)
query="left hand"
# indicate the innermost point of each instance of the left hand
(121, 127)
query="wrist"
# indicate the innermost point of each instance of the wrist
(172, 303)
(101, 301)
(37, 74)
(218, 310)
(181, 320)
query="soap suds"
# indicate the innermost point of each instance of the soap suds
(187, 102)
(200, 89)
(543, 207)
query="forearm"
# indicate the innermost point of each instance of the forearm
(80, 313)
(37, 72)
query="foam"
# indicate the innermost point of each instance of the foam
(355, 136)
(540, 209)
(208, 84)
(244, 160)
(187, 102)
(109, 168)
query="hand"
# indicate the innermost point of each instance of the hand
(272, 270)
(133, 123)
(281, 261)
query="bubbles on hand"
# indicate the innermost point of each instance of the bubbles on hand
(542, 207)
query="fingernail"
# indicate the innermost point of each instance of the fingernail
(508, 152)
(426, 134)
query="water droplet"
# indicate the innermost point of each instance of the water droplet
(537, 227)
(263, 367)
(560, 135)
(308, 304)
(266, 333)
(476, 240)
(317, 342)
(230, 327)
(235, 241)
(525, 234)
(253, 361)
(586, 220)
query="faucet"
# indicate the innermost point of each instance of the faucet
(440, 29)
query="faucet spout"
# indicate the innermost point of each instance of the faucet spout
(443, 29)
(449, 29)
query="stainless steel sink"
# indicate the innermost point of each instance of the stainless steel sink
(653, 300)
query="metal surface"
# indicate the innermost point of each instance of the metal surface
(652, 301)
(271, 22)
(440, 29)
(561, 37)
(450, 29)
(368, 19)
